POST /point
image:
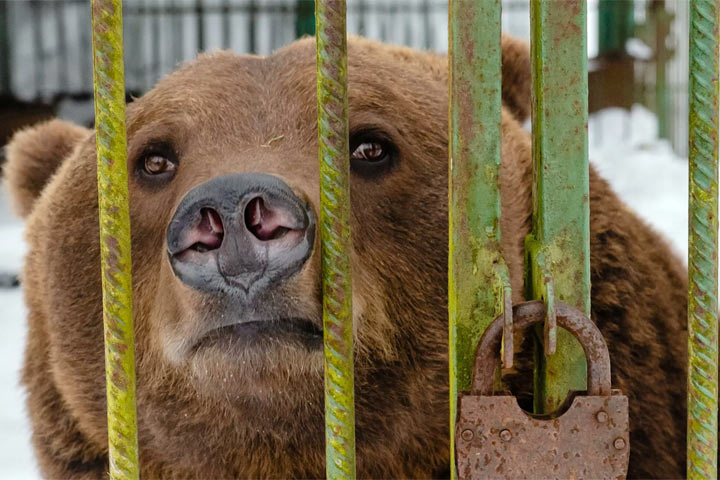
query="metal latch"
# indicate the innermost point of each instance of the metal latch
(589, 438)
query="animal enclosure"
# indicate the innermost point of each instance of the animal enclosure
(557, 251)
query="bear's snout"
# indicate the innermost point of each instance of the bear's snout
(240, 234)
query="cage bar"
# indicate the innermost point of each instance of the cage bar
(559, 248)
(334, 157)
(114, 215)
(702, 424)
(475, 260)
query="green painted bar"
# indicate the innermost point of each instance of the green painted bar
(334, 225)
(114, 217)
(615, 25)
(475, 261)
(304, 17)
(702, 426)
(558, 249)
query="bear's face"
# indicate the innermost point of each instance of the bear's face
(224, 200)
(229, 260)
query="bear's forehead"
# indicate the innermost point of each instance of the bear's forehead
(278, 92)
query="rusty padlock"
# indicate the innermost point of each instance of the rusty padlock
(495, 438)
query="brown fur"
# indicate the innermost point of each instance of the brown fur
(260, 413)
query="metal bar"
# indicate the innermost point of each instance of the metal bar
(335, 239)
(702, 426)
(114, 216)
(178, 34)
(615, 25)
(226, 27)
(200, 24)
(62, 50)
(252, 22)
(304, 18)
(38, 61)
(475, 260)
(662, 58)
(559, 249)
(5, 61)
(427, 24)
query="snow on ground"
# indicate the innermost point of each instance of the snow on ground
(646, 173)
(16, 458)
(623, 148)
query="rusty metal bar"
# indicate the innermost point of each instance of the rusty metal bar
(559, 248)
(702, 426)
(334, 156)
(114, 213)
(475, 260)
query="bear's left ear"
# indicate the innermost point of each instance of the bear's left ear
(516, 76)
(33, 155)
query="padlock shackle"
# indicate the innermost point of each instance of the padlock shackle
(530, 313)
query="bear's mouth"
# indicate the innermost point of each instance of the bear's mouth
(259, 333)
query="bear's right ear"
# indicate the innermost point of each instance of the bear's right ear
(33, 155)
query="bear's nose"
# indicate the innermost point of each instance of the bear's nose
(240, 232)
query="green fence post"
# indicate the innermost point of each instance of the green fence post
(615, 25)
(559, 249)
(662, 20)
(475, 261)
(304, 17)
(334, 156)
(702, 426)
(114, 213)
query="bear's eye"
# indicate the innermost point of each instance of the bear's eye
(372, 153)
(157, 164)
(369, 152)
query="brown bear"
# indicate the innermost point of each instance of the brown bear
(223, 175)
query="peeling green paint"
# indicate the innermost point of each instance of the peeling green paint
(478, 279)
(558, 248)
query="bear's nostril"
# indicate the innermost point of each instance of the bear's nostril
(266, 223)
(210, 231)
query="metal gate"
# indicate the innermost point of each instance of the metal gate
(560, 214)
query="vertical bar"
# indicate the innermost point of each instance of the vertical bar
(61, 45)
(226, 32)
(702, 424)
(36, 12)
(559, 246)
(157, 57)
(114, 216)
(252, 21)
(475, 259)
(5, 60)
(200, 24)
(336, 242)
(177, 32)
(304, 18)
(615, 25)
(662, 57)
(427, 24)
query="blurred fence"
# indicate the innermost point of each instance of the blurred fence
(45, 45)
